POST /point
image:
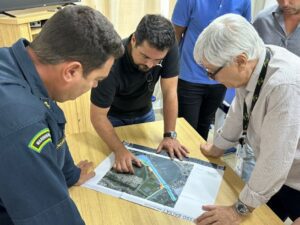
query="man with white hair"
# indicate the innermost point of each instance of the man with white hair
(279, 25)
(264, 114)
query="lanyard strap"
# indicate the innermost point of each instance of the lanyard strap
(259, 84)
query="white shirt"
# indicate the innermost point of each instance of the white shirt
(274, 127)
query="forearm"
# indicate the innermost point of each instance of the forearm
(229, 134)
(271, 169)
(170, 112)
(275, 148)
(179, 32)
(106, 131)
(178, 37)
(70, 170)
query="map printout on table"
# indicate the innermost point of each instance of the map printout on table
(178, 188)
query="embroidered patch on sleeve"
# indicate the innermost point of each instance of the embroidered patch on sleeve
(39, 140)
(60, 143)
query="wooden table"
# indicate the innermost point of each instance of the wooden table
(100, 209)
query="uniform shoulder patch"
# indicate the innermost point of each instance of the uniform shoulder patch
(39, 140)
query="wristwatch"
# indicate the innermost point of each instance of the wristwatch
(170, 134)
(241, 208)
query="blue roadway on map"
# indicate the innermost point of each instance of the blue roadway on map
(147, 162)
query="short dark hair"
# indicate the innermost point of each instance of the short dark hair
(156, 30)
(78, 33)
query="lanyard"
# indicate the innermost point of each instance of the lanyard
(259, 84)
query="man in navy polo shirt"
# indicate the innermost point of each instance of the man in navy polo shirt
(36, 167)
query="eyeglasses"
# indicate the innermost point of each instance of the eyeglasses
(146, 58)
(160, 63)
(150, 79)
(214, 74)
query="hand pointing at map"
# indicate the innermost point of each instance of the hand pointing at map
(124, 160)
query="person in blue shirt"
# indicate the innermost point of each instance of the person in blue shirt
(198, 95)
(75, 49)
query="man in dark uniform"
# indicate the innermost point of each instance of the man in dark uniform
(125, 96)
(75, 49)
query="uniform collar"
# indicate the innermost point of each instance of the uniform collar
(254, 76)
(28, 69)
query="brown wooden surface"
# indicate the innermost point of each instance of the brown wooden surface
(100, 209)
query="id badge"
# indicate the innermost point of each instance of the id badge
(240, 155)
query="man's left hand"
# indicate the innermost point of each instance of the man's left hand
(219, 215)
(86, 173)
(173, 147)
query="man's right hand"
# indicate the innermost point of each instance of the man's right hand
(124, 160)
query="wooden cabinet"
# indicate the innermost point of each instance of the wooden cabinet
(12, 29)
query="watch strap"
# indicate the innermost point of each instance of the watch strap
(170, 134)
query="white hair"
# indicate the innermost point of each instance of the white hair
(225, 38)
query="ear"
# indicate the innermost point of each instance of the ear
(133, 41)
(72, 70)
(241, 60)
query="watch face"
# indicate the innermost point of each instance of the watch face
(173, 134)
(241, 208)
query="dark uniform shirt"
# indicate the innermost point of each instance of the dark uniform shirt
(127, 90)
(36, 167)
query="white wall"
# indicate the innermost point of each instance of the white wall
(258, 5)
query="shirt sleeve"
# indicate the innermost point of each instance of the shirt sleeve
(228, 135)
(182, 12)
(70, 170)
(103, 95)
(247, 12)
(33, 189)
(170, 64)
(279, 138)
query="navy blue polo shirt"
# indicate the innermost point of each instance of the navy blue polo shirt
(36, 167)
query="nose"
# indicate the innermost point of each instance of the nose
(149, 63)
(285, 2)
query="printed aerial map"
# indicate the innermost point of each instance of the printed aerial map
(178, 188)
(159, 180)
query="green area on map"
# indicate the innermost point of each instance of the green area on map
(160, 180)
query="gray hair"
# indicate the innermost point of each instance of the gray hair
(225, 38)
